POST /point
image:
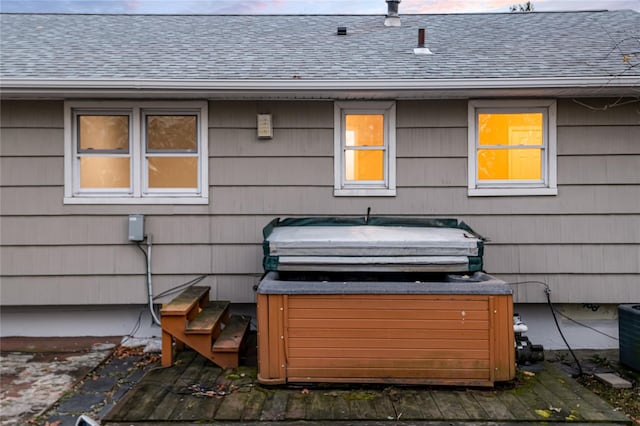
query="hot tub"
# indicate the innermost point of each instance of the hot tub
(379, 321)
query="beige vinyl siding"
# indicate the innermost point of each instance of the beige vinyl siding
(301, 200)
(113, 289)
(583, 242)
(247, 229)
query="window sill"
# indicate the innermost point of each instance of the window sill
(510, 192)
(131, 200)
(364, 192)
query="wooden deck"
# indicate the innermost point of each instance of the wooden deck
(194, 390)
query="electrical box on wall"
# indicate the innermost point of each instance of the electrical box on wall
(136, 227)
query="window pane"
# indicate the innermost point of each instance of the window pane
(510, 129)
(105, 132)
(104, 172)
(172, 132)
(364, 130)
(510, 164)
(364, 165)
(173, 172)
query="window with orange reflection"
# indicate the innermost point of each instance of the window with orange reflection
(510, 146)
(364, 147)
(103, 151)
(136, 152)
(171, 151)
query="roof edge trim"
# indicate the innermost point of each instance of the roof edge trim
(14, 85)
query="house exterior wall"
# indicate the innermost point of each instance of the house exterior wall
(584, 242)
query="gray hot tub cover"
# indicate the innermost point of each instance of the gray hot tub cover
(371, 245)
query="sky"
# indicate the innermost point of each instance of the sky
(298, 6)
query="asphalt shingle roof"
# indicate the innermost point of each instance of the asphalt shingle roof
(282, 47)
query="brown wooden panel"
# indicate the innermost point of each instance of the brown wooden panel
(299, 374)
(390, 301)
(275, 343)
(391, 333)
(425, 363)
(504, 358)
(492, 337)
(361, 311)
(418, 341)
(394, 324)
(263, 339)
(23, 142)
(388, 353)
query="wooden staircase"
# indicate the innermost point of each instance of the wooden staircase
(207, 327)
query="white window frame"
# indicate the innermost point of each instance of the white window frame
(387, 187)
(548, 184)
(138, 193)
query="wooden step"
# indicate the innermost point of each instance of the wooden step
(209, 318)
(186, 301)
(232, 335)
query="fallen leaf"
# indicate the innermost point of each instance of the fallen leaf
(543, 413)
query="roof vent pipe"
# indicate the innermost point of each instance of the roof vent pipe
(422, 49)
(392, 19)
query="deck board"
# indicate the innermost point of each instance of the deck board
(472, 407)
(407, 406)
(231, 337)
(161, 396)
(208, 318)
(450, 405)
(185, 301)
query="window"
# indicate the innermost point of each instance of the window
(364, 154)
(512, 147)
(136, 153)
